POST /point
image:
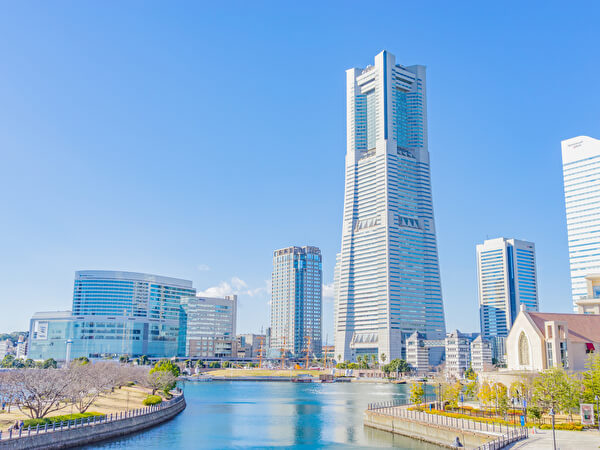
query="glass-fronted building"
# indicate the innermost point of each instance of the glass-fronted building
(296, 300)
(387, 278)
(507, 279)
(116, 313)
(581, 172)
(207, 327)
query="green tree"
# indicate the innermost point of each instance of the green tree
(591, 378)
(451, 393)
(166, 365)
(143, 360)
(485, 394)
(199, 363)
(214, 365)
(81, 360)
(29, 363)
(49, 363)
(7, 362)
(124, 359)
(500, 397)
(470, 374)
(471, 389)
(383, 358)
(550, 389)
(417, 393)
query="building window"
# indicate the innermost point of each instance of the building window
(549, 354)
(523, 350)
(564, 358)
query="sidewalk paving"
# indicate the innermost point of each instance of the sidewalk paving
(565, 440)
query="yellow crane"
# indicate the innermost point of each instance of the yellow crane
(260, 353)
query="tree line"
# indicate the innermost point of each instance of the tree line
(37, 392)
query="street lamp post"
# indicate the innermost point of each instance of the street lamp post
(598, 411)
(553, 434)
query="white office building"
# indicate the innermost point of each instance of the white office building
(458, 353)
(581, 171)
(387, 275)
(507, 277)
(481, 354)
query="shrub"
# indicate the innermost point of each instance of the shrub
(152, 400)
(562, 426)
(214, 365)
(58, 419)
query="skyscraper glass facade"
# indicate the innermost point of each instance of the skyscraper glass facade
(581, 171)
(387, 273)
(507, 279)
(296, 300)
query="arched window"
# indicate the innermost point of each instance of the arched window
(523, 350)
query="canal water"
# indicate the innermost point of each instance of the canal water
(246, 414)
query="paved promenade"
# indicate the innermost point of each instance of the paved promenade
(565, 440)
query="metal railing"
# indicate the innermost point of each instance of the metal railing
(87, 421)
(506, 433)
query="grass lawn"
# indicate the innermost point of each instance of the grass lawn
(111, 403)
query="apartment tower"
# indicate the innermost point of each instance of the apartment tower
(387, 277)
(296, 301)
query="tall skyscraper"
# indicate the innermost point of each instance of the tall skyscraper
(296, 300)
(507, 279)
(581, 171)
(387, 275)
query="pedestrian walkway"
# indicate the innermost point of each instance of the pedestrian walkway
(565, 440)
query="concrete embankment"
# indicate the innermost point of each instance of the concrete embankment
(435, 433)
(96, 432)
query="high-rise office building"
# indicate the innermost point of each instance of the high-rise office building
(207, 327)
(507, 279)
(581, 171)
(387, 275)
(296, 301)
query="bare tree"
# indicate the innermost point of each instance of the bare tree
(160, 380)
(38, 392)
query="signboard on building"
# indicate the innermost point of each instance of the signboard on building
(587, 414)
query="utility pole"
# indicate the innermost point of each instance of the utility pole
(553, 433)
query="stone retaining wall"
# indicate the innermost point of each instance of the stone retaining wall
(436, 434)
(95, 432)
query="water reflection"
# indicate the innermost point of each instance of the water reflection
(273, 414)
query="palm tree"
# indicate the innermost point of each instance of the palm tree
(373, 358)
(383, 358)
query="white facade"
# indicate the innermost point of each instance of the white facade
(5, 348)
(458, 353)
(581, 172)
(417, 353)
(481, 354)
(387, 273)
(539, 341)
(507, 277)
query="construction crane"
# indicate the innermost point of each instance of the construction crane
(260, 352)
(307, 350)
(283, 354)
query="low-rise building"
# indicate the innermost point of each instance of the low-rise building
(458, 353)
(418, 349)
(590, 304)
(539, 341)
(6, 347)
(250, 345)
(481, 354)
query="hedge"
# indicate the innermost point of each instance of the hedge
(562, 426)
(58, 419)
(152, 400)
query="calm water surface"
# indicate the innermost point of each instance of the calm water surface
(242, 414)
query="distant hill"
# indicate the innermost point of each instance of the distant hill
(14, 336)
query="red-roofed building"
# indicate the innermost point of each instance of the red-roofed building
(539, 341)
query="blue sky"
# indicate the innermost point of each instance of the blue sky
(190, 139)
